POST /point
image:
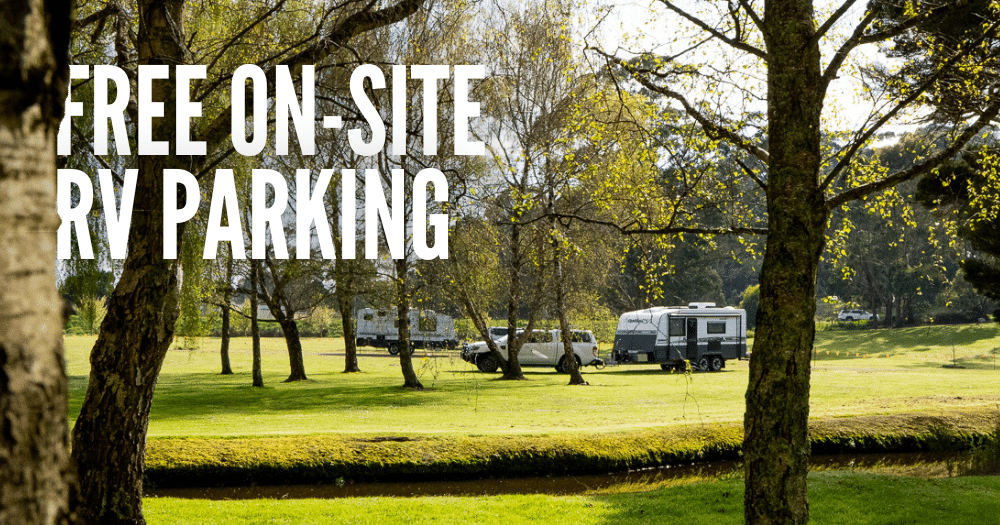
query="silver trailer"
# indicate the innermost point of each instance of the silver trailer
(379, 328)
(700, 333)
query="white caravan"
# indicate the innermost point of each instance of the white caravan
(670, 336)
(380, 328)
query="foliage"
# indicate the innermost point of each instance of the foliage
(955, 192)
(750, 303)
(86, 318)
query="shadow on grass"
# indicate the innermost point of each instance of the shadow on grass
(963, 363)
(201, 394)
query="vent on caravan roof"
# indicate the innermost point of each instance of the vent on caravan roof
(701, 305)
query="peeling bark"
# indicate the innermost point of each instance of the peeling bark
(109, 436)
(36, 479)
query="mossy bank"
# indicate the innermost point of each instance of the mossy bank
(327, 458)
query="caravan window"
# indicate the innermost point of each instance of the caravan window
(677, 326)
(716, 327)
(427, 323)
(368, 317)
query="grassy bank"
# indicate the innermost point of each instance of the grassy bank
(834, 497)
(331, 458)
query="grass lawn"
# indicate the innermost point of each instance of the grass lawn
(855, 373)
(835, 498)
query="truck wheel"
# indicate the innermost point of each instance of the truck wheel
(487, 364)
(393, 349)
(562, 368)
(716, 363)
(703, 364)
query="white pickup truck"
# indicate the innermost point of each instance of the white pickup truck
(543, 348)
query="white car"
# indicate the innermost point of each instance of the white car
(855, 315)
(543, 348)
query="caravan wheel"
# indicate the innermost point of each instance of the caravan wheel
(393, 349)
(703, 364)
(716, 363)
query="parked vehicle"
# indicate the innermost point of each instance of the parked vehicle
(543, 348)
(380, 328)
(700, 333)
(497, 333)
(855, 315)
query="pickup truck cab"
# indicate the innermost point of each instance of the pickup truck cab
(543, 348)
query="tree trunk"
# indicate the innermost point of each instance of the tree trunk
(776, 443)
(36, 479)
(109, 440)
(285, 317)
(291, 332)
(510, 365)
(410, 379)
(227, 299)
(350, 333)
(258, 376)
(575, 377)
(345, 289)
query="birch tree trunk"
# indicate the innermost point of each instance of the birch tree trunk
(109, 443)
(36, 480)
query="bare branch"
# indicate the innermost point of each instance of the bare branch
(666, 230)
(225, 47)
(860, 38)
(733, 42)
(917, 93)
(336, 38)
(98, 17)
(752, 14)
(924, 167)
(751, 173)
(833, 20)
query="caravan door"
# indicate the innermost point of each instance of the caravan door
(692, 338)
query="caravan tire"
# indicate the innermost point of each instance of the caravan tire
(487, 364)
(716, 363)
(393, 349)
(703, 364)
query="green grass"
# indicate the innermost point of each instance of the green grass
(193, 400)
(835, 498)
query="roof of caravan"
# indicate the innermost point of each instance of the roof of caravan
(659, 310)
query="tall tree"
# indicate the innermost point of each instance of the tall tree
(36, 480)
(781, 41)
(953, 192)
(110, 434)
